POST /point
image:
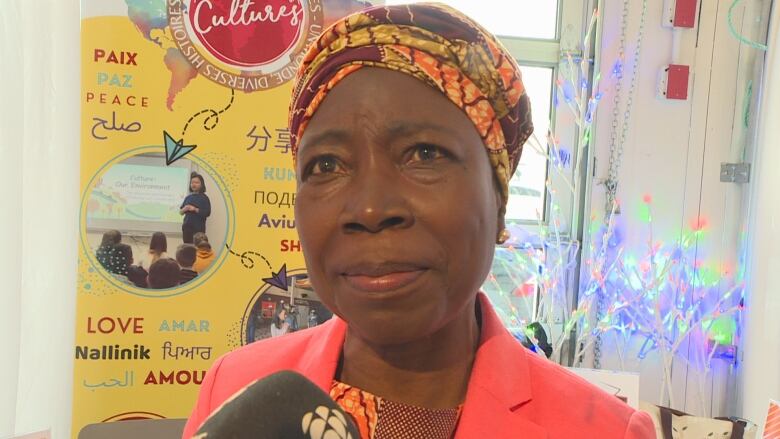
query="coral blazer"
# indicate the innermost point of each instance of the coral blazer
(512, 393)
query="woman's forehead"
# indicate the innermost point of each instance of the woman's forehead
(383, 102)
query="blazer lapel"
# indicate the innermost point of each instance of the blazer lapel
(499, 386)
(320, 357)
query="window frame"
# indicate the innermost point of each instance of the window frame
(573, 17)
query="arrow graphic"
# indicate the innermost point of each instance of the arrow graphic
(175, 149)
(279, 279)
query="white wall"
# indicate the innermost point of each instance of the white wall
(760, 372)
(39, 140)
(10, 220)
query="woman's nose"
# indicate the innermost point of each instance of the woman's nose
(376, 202)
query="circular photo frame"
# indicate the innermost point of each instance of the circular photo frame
(273, 312)
(156, 230)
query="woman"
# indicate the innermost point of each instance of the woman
(279, 325)
(158, 246)
(119, 261)
(122, 268)
(106, 248)
(408, 122)
(196, 207)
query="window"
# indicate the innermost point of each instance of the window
(527, 187)
(509, 18)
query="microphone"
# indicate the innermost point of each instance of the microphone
(284, 405)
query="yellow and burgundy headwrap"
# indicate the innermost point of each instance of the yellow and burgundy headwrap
(437, 45)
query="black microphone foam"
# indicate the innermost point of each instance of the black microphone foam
(284, 405)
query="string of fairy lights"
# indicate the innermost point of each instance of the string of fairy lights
(664, 293)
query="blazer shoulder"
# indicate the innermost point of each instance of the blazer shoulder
(560, 393)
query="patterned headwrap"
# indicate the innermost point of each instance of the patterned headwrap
(437, 45)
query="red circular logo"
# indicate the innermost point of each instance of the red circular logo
(247, 33)
(247, 45)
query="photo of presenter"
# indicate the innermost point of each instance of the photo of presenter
(196, 207)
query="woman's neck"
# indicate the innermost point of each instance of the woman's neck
(432, 372)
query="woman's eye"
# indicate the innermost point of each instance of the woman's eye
(425, 153)
(326, 164)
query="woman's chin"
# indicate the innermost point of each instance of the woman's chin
(388, 328)
(390, 334)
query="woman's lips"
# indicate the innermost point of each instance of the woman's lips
(383, 283)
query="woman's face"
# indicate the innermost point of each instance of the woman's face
(396, 208)
(195, 184)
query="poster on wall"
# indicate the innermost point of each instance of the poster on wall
(187, 243)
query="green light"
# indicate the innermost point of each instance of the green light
(708, 277)
(722, 330)
(644, 213)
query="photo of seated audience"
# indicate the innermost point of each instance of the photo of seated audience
(135, 217)
(117, 259)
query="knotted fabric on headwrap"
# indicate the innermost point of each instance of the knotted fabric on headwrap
(437, 45)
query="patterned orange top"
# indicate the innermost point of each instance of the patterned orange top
(378, 418)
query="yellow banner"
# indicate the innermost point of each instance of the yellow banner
(179, 96)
